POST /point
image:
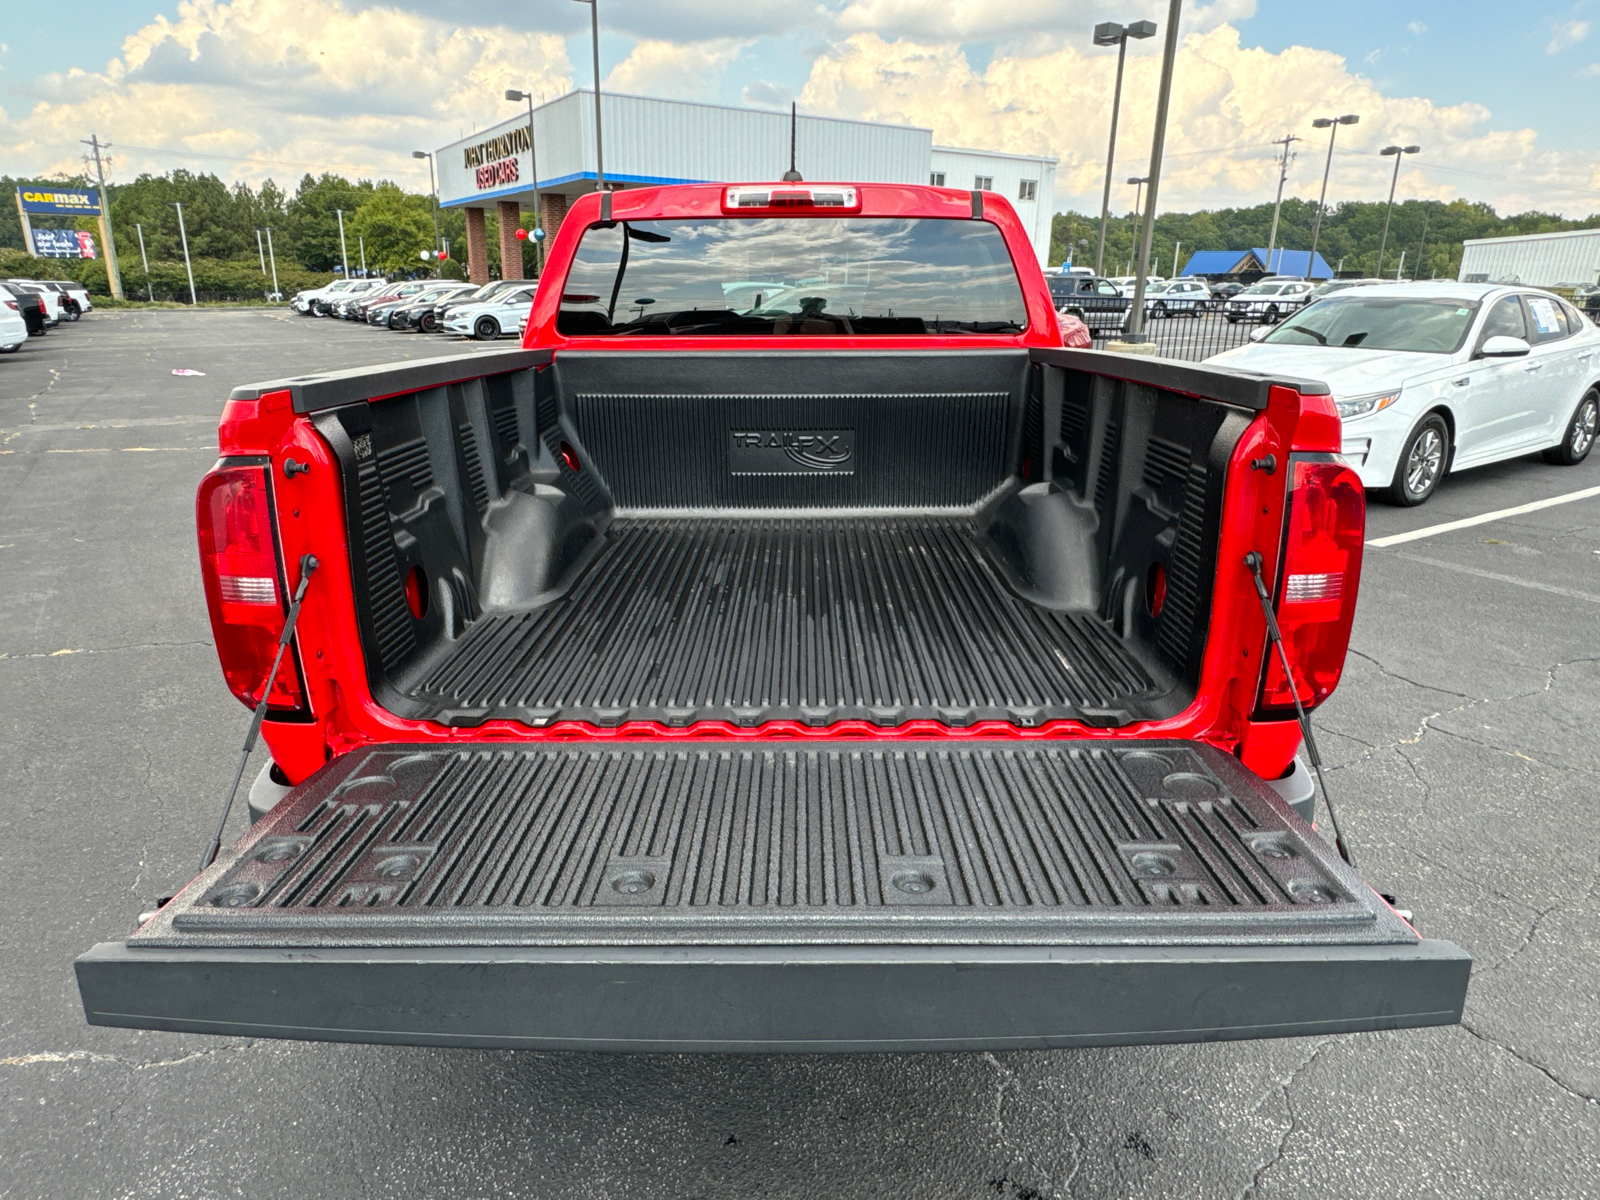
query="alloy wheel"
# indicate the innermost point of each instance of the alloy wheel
(1424, 462)
(1583, 431)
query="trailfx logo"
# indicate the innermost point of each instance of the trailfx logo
(792, 451)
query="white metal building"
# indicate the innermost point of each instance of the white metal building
(649, 141)
(1535, 259)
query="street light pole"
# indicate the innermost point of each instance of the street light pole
(1158, 142)
(145, 259)
(1109, 33)
(537, 233)
(362, 242)
(261, 250)
(273, 258)
(599, 154)
(1332, 125)
(433, 190)
(344, 254)
(1138, 182)
(184, 234)
(1397, 152)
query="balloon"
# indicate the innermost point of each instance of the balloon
(538, 235)
(423, 255)
(522, 235)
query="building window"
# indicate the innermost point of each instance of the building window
(984, 183)
(1029, 189)
(936, 179)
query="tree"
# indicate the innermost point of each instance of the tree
(396, 227)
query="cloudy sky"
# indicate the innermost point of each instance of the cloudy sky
(1502, 97)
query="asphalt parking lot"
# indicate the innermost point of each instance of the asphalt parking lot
(1463, 760)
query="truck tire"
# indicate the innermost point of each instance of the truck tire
(487, 329)
(1422, 463)
(1579, 439)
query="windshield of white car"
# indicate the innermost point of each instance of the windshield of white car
(873, 276)
(1420, 325)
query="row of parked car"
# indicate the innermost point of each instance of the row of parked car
(1103, 304)
(30, 307)
(425, 305)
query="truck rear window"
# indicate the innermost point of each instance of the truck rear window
(813, 276)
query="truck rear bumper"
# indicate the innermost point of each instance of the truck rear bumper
(763, 999)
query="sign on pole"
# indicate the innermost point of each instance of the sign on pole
(53, 200)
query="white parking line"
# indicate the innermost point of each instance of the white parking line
(1394, 539)
(1499, 578)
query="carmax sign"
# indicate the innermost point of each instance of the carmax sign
(40, 199)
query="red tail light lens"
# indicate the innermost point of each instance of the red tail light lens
(1321, 570)
(240, 570)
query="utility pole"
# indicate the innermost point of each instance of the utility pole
(149, 287)
(362, 242)
(113, 275)
(1423, 244)
(599, 156)
(1158, 142)
(184, 234)
(262, 251)
(274, 259)
(1401, 267)
(344, 254)
(1175, 250)
(1277, 205)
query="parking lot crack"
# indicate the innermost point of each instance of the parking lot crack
(1406, 678)
(1529, 1062)
(1282, 1088)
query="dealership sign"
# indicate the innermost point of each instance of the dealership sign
(493, 161)
(62, 243)
(43, 199)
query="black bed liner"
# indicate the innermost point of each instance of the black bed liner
(885, 619)
(864, 895)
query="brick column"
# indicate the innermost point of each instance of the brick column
(510, 248)
(477, 247)
(555, 211)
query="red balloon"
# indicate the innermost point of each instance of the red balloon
(522, 235)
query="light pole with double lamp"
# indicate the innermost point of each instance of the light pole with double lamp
(433, 190)
(1332, 125)
(537, 232)
(1398, 152)
(1109, 33)
(599, 156)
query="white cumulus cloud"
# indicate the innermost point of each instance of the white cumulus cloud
(1229, 103)
(1565, 34)
(281, 83)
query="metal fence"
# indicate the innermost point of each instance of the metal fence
(1192, 337)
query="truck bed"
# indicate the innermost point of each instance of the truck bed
(883, 619)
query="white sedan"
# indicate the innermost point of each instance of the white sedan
(1437, 377)
(489, 319)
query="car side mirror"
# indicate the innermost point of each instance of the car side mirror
(1501, 346)
(1260, 331)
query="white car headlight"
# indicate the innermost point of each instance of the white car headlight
(1365, 406)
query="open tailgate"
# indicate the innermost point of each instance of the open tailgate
(847, 895)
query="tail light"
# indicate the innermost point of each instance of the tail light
(12, 305)
(1320, 572)
(244, 582)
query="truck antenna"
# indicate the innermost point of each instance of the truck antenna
(791, 175)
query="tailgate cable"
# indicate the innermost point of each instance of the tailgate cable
(1253, 561)
(308, 564)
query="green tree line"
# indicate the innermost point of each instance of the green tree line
(221, 223)
(1430, 232)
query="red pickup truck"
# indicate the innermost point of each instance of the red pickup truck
(791, 647)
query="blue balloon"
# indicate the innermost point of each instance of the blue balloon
(538, 235)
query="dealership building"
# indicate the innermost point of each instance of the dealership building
(649, 142)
